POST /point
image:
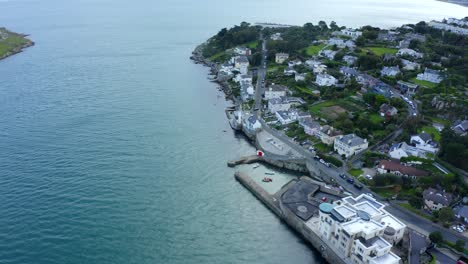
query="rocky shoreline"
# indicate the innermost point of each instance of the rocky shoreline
(198, 58)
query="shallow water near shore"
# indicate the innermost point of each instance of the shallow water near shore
(114, 144)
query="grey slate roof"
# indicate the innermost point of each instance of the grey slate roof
(352, 140)
(463, 211)
(437, 196)
(424, 136)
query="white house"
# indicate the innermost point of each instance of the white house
(289, 71)
(390, 71)
(400, 150)
(349, 72)
(276, 36)
(320, 68)
(341, 43)
(242, 64)
(243, 78)
(409, 52)
(247, 91)
(435, 199)
(281, 57)
(252, 124)
(329, 54)
(360, 230)
(407, 88)
(278, 104)
(409, 65)
(459, 22)
(311, 127)
(460, 127)
(294, 63)
(396, 168)
(350, 145)
(424, 142)
(324, 79)
(287, 117)
(242, 51)
(350, 60)
(311, 63)
(275, 91)
(300, 77)
(430, 75)
(353, 33)
(327, 134)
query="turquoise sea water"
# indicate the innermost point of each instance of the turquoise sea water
(112, 142)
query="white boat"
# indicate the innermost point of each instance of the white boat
(256, 166)
(269, 173)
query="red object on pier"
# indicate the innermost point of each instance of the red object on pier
(260, 153)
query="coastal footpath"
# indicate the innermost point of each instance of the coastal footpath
(12, 43)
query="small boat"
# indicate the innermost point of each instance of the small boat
(266, 179)
(269, 173)
(256, 166)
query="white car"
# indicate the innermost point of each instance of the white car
(369, 177)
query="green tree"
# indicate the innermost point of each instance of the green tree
(416, 202)
(436, 237)
(446, 215)
(460, 245)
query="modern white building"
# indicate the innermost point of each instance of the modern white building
(275, 91)
(251, 124)
(353, 33)
(350, 145)
(360, 230)
(401, 150)
(324, 79)
(423, 141)
(430, 75)
(409, 52)
(278, 104)
(281, 57)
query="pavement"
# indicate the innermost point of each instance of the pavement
(442, 257)
(418, 244)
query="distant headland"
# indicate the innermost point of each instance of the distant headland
(12, 43)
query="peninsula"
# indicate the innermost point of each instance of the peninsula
(12, 43)
(375, 117)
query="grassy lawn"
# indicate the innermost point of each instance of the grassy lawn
(434, 259)
(414, 210)
(217, 56)
(439, 120)
(252, 44)
(303, 89)
(431, 131)
(322, 147)
(379, 51)
(356, 172)
(375, 118)
(423, 83)
(316, 108)
(384, 192)
(314, 49)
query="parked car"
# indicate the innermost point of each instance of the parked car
(358, 186)
(322, 161)
(350, 180)
(317, 157)
(369, 177)
(342, 175)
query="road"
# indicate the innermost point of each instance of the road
(328, 173)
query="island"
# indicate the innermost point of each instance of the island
(12, 43)
(377, 120)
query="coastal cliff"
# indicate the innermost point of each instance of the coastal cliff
(12, 43)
